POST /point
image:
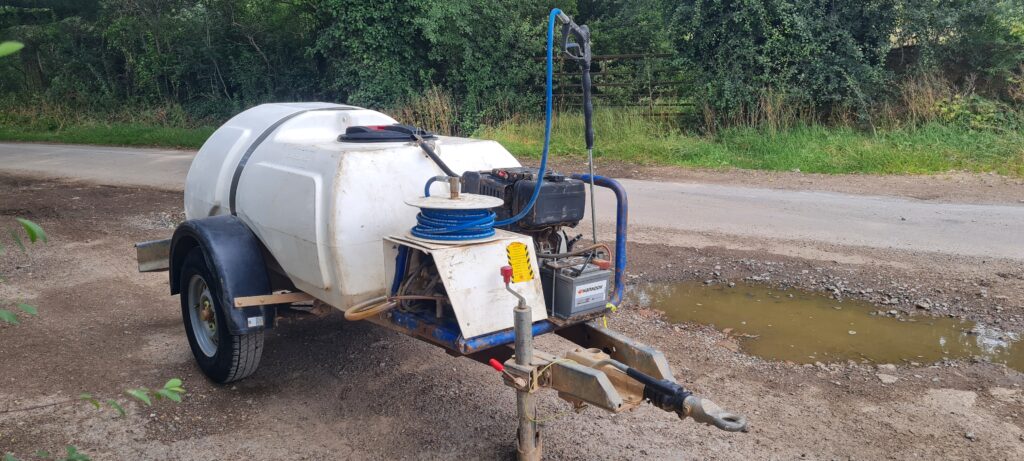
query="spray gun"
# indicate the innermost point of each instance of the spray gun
(578, 49)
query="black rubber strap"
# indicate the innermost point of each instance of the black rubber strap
(259, 140)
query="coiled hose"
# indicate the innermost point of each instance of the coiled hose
(450, 224)
(454, 225)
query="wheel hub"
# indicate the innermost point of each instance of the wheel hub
(202, 315)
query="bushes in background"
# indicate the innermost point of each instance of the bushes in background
(821, 60)
(215, 57)
(457, 64)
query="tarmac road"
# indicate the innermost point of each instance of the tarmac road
(659, 212)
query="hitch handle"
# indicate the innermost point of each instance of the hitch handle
(670, 396)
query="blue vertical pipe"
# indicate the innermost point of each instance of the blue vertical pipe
(621, 221)
(400, 262)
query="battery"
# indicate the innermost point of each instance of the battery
(571, 291)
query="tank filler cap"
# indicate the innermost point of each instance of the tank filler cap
(384, 133)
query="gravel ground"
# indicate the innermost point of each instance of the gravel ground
(330, 389)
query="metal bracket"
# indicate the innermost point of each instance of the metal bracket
(154, 255)
(620, 347)
(573, 381)
(521, 377)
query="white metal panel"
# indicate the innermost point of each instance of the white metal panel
(472, 278)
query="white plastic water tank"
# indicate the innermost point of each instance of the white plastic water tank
(319, 205)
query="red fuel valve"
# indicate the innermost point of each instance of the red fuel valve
(506, 273)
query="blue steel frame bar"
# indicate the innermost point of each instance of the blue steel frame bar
(621, 223)
(446, 334)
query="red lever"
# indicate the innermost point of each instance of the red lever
(494, 363)
(506, 273)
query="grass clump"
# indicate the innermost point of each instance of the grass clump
(630, 137)
(157, 127)
(113, 134)
(937, 143)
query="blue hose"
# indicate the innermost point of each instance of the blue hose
(400, 261)
(452, 225)
(455, 225)
(547, 123)
(426, 188)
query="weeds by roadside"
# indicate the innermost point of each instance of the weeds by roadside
(932, 127)
(933, 147)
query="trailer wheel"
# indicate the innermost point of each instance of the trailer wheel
(223, 357)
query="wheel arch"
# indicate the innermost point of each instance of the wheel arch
(234, 256)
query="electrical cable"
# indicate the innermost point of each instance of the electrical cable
(576, 252)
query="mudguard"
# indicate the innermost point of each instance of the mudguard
(234, 255)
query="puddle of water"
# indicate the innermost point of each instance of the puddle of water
(805, 327)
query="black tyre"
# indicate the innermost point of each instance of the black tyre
(223, 357)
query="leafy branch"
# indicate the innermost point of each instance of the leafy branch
(34, 233)
(172, 390)
(7, 48)
(72, 454)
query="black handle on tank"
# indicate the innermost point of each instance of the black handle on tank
(579, 51)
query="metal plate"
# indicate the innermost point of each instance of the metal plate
(471, 275)
(154, 255)
(464, 202)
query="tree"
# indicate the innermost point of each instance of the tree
(823, 56)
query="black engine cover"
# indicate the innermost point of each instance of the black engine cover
(562, 201)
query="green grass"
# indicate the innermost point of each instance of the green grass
(931, 148)
(630, 137)
(110, 134)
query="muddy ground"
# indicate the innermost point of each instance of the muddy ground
(329, 389)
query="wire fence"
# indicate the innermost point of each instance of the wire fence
(650, 83)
